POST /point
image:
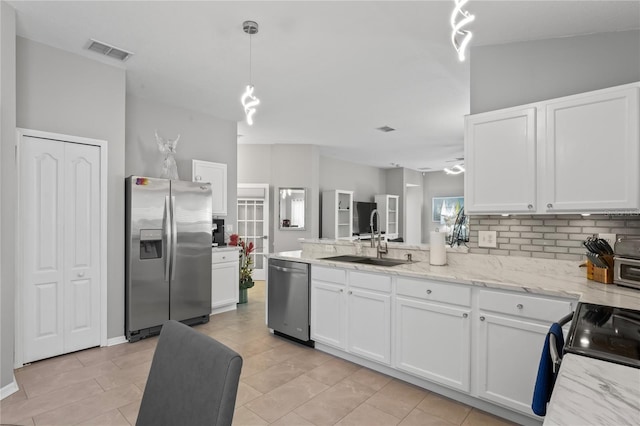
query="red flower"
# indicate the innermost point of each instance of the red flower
(233, 239)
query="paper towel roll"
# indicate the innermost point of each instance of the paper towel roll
(437, 250)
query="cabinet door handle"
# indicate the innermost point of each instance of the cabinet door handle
(350, 292)
(549, 206)
(519, 306)
(341, 290)
(198, 178)
(465, 315)
(530, 206)
(224, 257)
(428, 291)
(481, 318)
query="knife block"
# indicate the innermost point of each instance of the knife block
(601, 275)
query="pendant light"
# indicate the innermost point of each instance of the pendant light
(457, 31)
(249, 100)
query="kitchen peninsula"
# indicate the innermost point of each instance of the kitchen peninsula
(471, 330)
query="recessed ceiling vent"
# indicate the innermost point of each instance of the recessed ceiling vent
(108, 50)
(385, 129)
(424, 168)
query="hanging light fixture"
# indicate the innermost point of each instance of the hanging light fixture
(457, 31)
(249, 100)
(455, 170)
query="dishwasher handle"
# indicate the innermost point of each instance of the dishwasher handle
(280, 268)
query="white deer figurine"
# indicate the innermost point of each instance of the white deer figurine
(168, 148)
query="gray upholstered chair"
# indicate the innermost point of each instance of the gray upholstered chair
(193, 380)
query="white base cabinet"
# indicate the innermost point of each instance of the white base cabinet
(508, 357)
(439, 352)
(432, 334)
(352, 311)
(512, 328)
(225, 280)
(482, 343)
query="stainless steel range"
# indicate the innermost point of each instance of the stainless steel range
(626, 263)
(605, 332)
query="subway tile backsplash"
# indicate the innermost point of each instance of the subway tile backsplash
(549, 237)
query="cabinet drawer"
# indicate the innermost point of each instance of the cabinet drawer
(524, 306)
(332, 275)
(370, 281)
(224, 256)
(434, 291)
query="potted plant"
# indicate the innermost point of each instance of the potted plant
(246, 265)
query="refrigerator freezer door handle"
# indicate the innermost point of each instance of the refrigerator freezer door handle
(174, 238)
(167, 234)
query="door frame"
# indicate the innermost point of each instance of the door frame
(267, 224)
(19, 260)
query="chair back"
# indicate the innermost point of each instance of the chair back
(193, 380)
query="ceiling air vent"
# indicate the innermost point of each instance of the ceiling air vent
(424, 169)
(108, 50)
(385, 129)
(455, 160)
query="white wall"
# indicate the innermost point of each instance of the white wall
(65, 93)
(295, 166)
(438, 184)
(202, 137)
(7, 189)
(518, 73)
(365, 181)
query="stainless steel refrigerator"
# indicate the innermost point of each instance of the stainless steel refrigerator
(168, 254)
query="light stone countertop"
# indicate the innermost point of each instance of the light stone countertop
(225, 248)
(587, 391)
(548, 277)
(593, 392)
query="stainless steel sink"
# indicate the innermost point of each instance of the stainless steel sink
(368, 260)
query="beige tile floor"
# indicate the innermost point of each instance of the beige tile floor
(282, 383)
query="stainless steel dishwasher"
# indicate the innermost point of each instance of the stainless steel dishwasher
(288, 299)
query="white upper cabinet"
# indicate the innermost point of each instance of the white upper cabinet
(216, 175)
(337, 217)
(387, 206)
(500, 159)
(576, 154)
(592, 152)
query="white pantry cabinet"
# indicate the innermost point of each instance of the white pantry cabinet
(225, 279)
(575, 154)
(512, 329)
(216, 175)
(432, 339)
(387, 206)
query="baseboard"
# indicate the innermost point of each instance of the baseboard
(116, 341)
(9, 389)
(222, 309)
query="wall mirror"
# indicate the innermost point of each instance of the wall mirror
(292, 208)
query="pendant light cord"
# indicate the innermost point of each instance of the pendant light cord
(250, 80)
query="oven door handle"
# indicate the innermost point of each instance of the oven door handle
(556, 358)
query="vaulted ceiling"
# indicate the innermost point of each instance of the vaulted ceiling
(327, 72)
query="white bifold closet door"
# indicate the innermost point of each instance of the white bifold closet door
(60, 217)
